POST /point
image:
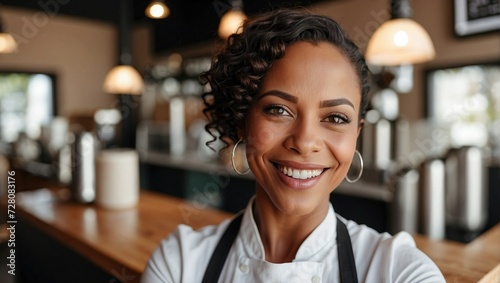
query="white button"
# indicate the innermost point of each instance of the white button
(315, 279)
(243, 267)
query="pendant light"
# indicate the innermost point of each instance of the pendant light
(400, 41)
(157, 9)
(7, 42)
(232, 20)
(123, 79)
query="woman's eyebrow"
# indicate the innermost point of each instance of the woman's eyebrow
(294, 99)
(280, 94)
(335, 102)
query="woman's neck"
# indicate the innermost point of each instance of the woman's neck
(282, 234)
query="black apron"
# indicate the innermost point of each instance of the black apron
(347, 267)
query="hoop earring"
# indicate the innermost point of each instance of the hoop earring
(360, 171)
(232, 159)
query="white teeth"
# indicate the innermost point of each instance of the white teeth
(300, 174)
(303, 174)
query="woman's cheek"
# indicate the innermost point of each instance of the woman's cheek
(343, 145)
(264, 136)
(259, 140)
(262, 132)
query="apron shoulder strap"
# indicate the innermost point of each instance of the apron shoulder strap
(218, 259)
(347, 266)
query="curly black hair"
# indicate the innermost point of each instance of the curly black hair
(238, 69)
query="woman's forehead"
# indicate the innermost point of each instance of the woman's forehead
(310, 68)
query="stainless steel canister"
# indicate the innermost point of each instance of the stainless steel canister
(404, 207)
(465, 189)
(432, 194)
(377, 146)
(83, 151)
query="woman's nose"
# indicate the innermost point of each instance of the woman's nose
(304, 136)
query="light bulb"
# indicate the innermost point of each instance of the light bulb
(401, 38)
(157, 10)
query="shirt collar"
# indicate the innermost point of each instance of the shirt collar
(324, 234)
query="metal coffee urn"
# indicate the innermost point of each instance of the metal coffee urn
(404, 207)
(83, 151)
(432, 198)
(465, 193)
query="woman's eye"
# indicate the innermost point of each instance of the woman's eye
(337, 119)
(276, 110)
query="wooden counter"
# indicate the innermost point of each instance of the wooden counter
(121, 241)
(478, 261)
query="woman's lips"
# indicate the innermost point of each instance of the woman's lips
(298, 178)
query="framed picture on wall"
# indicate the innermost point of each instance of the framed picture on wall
(476, 16)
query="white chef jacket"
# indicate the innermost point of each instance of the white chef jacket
(184, 255)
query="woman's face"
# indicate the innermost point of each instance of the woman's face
(302, 128)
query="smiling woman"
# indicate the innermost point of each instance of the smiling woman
(314, 126)
(292, 88)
